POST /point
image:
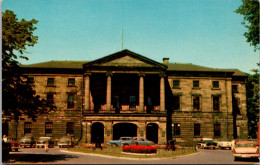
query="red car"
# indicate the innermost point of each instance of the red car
(11, 141)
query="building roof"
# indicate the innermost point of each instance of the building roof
(57, 64)
(171, 67)
(133, 58)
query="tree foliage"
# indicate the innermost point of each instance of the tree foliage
(250, 10)
(18, 97)
(252, 93)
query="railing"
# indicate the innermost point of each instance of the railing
(124, 109)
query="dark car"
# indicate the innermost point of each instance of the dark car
(207, 143)
(6, 147)
(27, 141)
(43, 140)
(14, 145)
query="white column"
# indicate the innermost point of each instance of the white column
(162, 93)
(108, 95)
(141, 93)
(87, 90)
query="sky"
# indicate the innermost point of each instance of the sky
(202, 32)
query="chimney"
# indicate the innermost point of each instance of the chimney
(165, 60)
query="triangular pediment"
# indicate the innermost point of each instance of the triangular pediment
(125, 58)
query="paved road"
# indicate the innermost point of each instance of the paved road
(55, 156)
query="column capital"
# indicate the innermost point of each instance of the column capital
(141, 74)
(109, 73)
(87, 74)
(162, 74)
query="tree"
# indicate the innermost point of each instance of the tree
(252, 93)
(18, 97)
(250, 10)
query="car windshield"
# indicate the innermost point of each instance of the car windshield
(26, 138)
(125, 138)
(44, 139)
(245, 145)
(64, 139)
(224, 140)
(10, 140)
(208, 140)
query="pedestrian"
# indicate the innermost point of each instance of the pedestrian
(98, 144)
(46, 146)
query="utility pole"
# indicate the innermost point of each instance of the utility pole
(122, 38)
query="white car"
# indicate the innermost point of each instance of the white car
(245, 149)
(224, 143)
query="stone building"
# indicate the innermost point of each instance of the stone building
(127, 94)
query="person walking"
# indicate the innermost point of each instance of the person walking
(98, 144)
(46, 146)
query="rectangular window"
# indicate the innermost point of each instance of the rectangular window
(216, 103)
(30, 80)
(27, 128)
(69, 128)
(215, 84)
(217, 130)
(50, 99)
(176, 84)
(71, 82)
(50, 82)
(196, 103)
(196, 129)
(176, 103)
(234, 89)
(132, 102)
(177, 129)
(48, 128)
(70, 103)
(196, 84)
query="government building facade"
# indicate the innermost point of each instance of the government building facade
(127, 94)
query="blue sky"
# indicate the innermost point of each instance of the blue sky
(202, 32)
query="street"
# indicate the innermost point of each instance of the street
(57, 156)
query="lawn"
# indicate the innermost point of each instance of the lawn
(117, 151)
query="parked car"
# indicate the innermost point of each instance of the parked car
(118, 142)
(43, 140)
(245, 149)
(27, 141)
(14, 145)
(137, 141)
(6, 147)
(207, 143)
(66, 141)
(224, 143)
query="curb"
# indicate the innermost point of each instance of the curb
(108, 156)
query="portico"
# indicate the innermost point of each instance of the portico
(129, 90)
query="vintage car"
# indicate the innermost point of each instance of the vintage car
(207, 143)
(27, 141)
(224, 143)
(43, 140)
(118, 142)
(245, 149)
(137, 141)
(66, 141)
(13, 145)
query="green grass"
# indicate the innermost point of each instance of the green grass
(117, 151)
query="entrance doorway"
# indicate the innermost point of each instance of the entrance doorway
(152, 132)
(97, 130)
(124, 129)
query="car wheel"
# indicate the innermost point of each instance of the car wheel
(16, 149)
(235, 159)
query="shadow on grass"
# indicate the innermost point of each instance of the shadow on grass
(34, 158)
